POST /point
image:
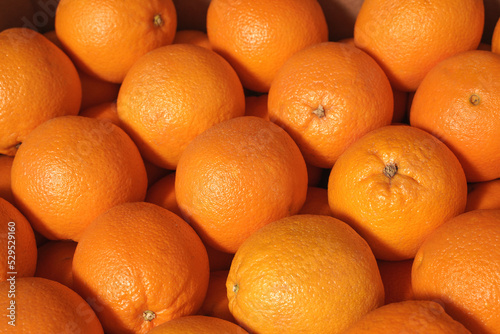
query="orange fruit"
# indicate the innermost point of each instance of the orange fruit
(459, 102)
(45, 306)
(55, 259)
(256, 105)
(195, 37)
(340, 16)
(412, 316)
(238, 176)
(395, 185)
(257, 37)
(162, 193)
(105, 39)
(495, 39)
(15, 13)
(312, 263)
(5, 183)
(483, 195)
(196, 324)
(327, 96)
(18, 253)
(458, 265)
(71, 169)
(409, 38)
(143, 265)
(191, 14)
(316, 202)
(174, 93)
(396, 276)
(216, 303)
(38, 82)
(105, 112)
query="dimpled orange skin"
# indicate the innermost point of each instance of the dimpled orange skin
(139, 257)
(70, 169)
(45, 306)
(37, 82)
(19, 252)
(174, 93)
(459, 102)
(238, 176)
(413, 316)
(105, 38)
(395, 185)
(304, 274)
(408, 38)
(459, 265)
(258, 36)
(495, 40)
(327, 96)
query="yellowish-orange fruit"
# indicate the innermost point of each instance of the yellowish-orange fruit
(303, 274)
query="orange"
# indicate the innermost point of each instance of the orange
(327, 96)
(340, 16)
(408, 38)
(459, 102)
(55, 259)
(105, 39)
(483, 195)
(71, 169)
(216, 303)
(412, 316)
(395, 185)
(105, 112)
(14, 13)
(238, 176)
(196, 324)
(316, 202)
(495, 40)
(304, 274)
(18, 252)
(256, 106)
(38, 82)
(258, 36)
(458, 264)
(195, 37)
(143, 265)
(45, 306)
(396, 276)
(191, 14)
(174, 93)
(162, 193)
(94, 90)
(5, 179)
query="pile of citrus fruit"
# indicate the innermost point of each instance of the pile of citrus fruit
(249, 166)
